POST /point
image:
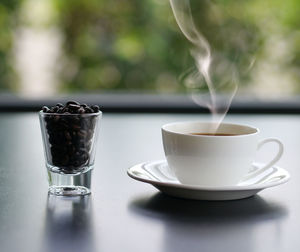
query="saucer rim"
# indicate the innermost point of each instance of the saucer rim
(210, 188)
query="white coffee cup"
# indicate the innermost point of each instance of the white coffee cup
(209, 160)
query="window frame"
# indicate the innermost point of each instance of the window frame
(151, 103)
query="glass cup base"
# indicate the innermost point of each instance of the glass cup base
(70, 184)
(69, 190)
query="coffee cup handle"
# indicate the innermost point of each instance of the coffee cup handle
(272, 162)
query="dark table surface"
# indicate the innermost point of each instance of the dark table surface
(122, 214)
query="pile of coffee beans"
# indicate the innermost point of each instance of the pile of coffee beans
(70, 130)
(71, 107)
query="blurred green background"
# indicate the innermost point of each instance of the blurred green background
(49, 47)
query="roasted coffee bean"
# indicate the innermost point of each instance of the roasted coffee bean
(81, 110)
(85, 122)
(62, 148)
(69, 143)
(72, 102)
(54, 140)
(88, 145)
(88, 110)
(56, 153)
(73, 108)
(67, 135)
(95, 108)
(54, 109)
(65, 160)
(75, 127)
(65, 110)
(45, 109)
(77, 163)
(59, 105)
(82, 151)
(81, 144)
(56, 119)
(71, 149)
(47, 120)
(82, 133)
(48, 124)
(89, 134)
(85, 158)
(75, 120)
(93, 122)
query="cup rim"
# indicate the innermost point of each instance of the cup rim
(163, 127)
(76, 114)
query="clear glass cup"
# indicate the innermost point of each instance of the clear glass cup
(69, 146)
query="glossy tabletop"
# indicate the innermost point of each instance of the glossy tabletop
(122, 214)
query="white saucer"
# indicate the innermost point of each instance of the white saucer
(159, 175)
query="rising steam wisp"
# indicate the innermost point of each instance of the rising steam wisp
(204, 59)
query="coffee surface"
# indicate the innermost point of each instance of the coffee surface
(216, 134)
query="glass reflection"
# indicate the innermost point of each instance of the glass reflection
(68, 224)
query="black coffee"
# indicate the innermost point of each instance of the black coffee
(214, 134)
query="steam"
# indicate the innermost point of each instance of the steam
(206, 65)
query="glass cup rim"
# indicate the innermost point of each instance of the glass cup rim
(76, 114)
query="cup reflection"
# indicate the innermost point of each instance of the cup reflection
(212, 224)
